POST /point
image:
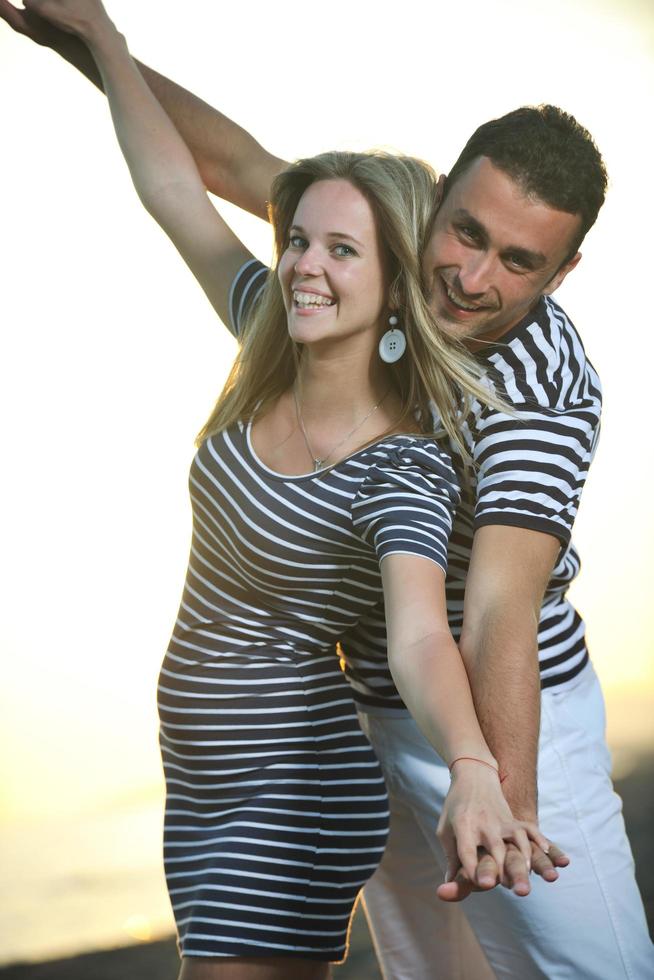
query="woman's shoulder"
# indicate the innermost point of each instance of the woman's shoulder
(417, 461)
(413, 448)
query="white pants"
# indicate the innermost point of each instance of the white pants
(588, 925)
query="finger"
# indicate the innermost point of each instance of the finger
(448, 844)
(467, 851)
(488, 871)
(558, 857)
(516, 872)
(455, 891)
(12, 15)
(522, 842)
(541, 865)
(497, 849)
(535, 835)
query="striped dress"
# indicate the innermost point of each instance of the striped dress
(276, 811)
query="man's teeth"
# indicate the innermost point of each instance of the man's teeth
(458, 301)
(305, 300)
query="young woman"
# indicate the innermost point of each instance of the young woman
(316, 484)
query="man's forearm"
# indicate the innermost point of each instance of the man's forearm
(231, 162)
(501, 658)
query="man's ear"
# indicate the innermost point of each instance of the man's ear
(559, 276)
(440, 189)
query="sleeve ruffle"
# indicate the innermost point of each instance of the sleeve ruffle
(407, 501)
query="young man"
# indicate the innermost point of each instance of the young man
(515, 209)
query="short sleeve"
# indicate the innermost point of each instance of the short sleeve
(532, 466)
(244, 293)
(406, 502)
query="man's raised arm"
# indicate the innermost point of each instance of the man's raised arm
(231, 162)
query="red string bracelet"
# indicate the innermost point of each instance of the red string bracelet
(472, 758)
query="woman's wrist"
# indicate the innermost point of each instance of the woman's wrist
(100, 34)
(463, 763)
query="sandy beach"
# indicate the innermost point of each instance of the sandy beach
(158, 960)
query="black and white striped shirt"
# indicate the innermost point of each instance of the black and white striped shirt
(530, 471)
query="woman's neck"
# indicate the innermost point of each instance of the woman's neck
(343, 387)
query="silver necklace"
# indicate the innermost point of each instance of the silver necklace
(318, 464)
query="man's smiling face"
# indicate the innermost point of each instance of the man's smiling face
(493, 252)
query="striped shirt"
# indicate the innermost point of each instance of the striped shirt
(530, 471)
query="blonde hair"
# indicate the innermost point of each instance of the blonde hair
(438, 372)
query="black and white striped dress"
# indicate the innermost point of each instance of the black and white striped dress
(276, 810)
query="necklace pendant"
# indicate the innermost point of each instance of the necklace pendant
(317, 465)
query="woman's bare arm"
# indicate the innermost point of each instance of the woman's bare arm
(164, 173)
(430, 675)
(231, 163)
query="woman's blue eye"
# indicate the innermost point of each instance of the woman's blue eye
(344, 250)
(296, 241)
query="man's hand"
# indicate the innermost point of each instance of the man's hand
(516, 875)
(38, 29)
(231, 162)
(76, 17)
(29, 24)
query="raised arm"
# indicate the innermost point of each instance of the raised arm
(430, 675)
(162, 168)
(231, 163)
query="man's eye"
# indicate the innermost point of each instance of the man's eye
(517, 262)
(344, 250)
(467, 232)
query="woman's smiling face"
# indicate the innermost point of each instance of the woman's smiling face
(332, 271)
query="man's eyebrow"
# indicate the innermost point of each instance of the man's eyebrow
(534, 259)
(331, 234)
(471, 222)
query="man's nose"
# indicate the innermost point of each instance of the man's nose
(476, 275)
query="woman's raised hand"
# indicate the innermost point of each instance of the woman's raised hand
(76, 17)
(476, 815)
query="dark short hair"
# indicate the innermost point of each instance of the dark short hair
(549, 154)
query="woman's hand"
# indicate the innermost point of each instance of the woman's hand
(78, 17)
(476, 815)
(30, 25)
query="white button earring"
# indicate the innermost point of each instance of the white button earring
(393, 343)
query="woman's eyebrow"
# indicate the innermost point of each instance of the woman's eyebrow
(331, 234)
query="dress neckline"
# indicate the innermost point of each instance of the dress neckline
(246, 430)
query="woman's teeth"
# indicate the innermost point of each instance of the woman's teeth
(307, 300)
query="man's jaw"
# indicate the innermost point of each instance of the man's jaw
(449, 304)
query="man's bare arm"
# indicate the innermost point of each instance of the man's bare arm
(509, 571)
(508, 574)
(231, 162)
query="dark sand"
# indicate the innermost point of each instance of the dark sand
(158, 961)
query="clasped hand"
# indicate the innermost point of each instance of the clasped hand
(71, 16)
(485, 844)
